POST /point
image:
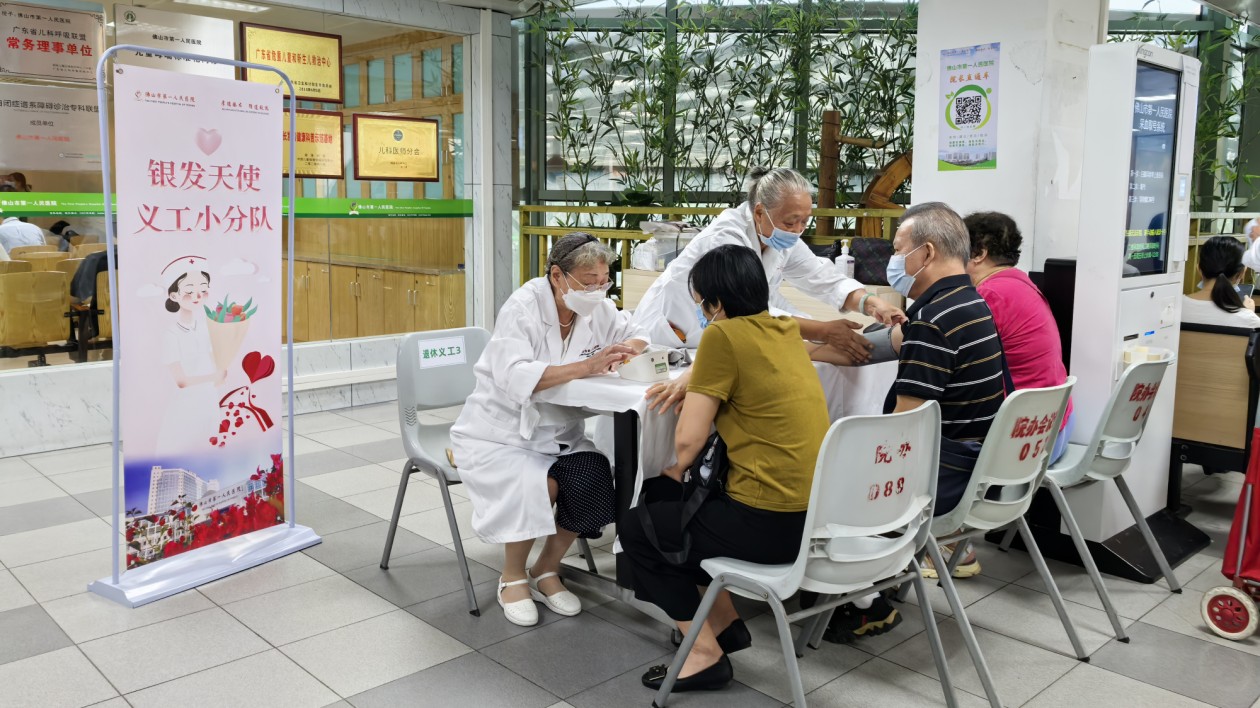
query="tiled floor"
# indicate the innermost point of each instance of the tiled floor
(328, 627)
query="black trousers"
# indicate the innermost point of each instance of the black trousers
(722, 528)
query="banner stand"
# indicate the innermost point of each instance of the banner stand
(188, 570)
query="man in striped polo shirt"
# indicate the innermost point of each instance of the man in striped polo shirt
(950, 353)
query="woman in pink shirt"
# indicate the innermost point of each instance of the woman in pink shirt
(1030, 337)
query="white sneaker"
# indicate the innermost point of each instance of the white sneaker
(521, 612)
(562, 603)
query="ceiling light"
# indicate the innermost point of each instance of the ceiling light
(225, 5)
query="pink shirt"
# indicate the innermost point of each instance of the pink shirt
(1030, 336)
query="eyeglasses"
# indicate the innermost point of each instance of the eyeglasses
(599, 288)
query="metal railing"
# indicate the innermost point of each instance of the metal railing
(536, 240)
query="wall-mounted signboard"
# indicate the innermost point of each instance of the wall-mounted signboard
(175, 32)
(311, 59)
(395, 148)
(49, 43)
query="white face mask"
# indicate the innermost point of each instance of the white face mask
(583, 302)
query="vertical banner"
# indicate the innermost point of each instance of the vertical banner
(175, 32)
(50, 43)
(199, 225)
(969, 108)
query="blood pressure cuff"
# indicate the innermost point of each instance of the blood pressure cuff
(881, 337)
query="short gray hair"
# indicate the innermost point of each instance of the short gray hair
(936, 223)
(579, 250)
(771, 186)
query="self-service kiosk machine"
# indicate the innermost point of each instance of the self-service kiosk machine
(1131, 258)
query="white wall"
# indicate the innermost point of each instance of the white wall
(1041, 113)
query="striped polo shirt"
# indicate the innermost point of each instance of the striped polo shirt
(951, 354)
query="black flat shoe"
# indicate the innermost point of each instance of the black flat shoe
(735, 637)
(711, 679)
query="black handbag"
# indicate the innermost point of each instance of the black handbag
(706, 478)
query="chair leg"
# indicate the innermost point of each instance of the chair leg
(1008, 539)
(903, 592)
(960, 552)
(1053, 589)
(964, 625)
(459, 548)
(1156, 551)
(689, 640)
(584, 549)
(824, 621)
(810, 628)
(789, 651)
(934, 635)
(1087, 559)
(393, 522)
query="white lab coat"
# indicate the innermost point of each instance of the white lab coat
(669, 299)
(1251, 256)
(502, 448)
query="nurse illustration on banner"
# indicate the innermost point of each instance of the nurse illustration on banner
(553, 330)
(192, 413)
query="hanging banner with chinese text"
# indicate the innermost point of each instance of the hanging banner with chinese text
(49, 43)
(311, 59)
(48, 129)
(175, 32)
(199, 201)
(393, 148)
(319, 145)
(969, 108)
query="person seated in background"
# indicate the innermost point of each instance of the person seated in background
(551, 331)
(753, 380)
(64, 233)
(14, 231)
(1029, 333)
(1218, 301)
(950, 353)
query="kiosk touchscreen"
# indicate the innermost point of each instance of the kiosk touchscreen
(1131, 257)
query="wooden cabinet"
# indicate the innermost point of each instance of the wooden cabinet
(343, 287)
(370, 288)
(453, 311)
(318, 325)
(301, 299)
(345, 302)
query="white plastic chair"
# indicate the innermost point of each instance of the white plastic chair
(1106, 457)
(1012, 461)
(869, 509)
(422, 390)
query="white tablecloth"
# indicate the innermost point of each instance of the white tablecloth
(849, 391)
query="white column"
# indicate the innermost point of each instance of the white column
(1041, 113)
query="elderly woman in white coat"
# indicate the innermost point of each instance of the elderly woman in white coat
(551, 331)
(770, 223)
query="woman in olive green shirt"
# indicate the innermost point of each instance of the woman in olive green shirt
(752, 379)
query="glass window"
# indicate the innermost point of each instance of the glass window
(376, 81)
(350, 75)
(378, 190)
(433, 190)
(432, 73)
(402, 77)
(406, 190)
(457, 67)
(353, 190)
(308, 187)
(457, 155)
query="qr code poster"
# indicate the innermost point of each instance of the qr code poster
(969, 108)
